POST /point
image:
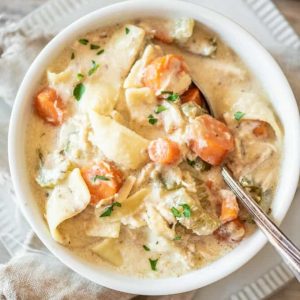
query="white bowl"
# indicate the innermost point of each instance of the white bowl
(256, 58)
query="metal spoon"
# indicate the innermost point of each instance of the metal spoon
(286, 249)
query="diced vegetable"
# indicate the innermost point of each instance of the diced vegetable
(233, 231)
(103, 180)
(167, 73)
(164, 151)
(210, 139)
(254, 190)
(188, 212)
(49, 106)
(260, 129)
(168, 31)
(192, 110)
(193, 95)
(230, 208)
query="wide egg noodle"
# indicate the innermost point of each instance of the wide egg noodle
(118, 143)
(66, 201)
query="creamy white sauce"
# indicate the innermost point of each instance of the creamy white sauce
(220, 77)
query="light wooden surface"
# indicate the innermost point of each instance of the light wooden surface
(290, 9)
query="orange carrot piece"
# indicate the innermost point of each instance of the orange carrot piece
(157, 72)
(230, 207)
(193, 95)
(210, 139)
(164, 151)
(49, 106)
(262, 129)
(103, 180)
(232, 231)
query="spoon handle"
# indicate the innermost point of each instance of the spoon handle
(288, 251)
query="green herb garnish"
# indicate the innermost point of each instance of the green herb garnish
(72, 55)
(172, 97)
(238, 115)
(186, 210)
(177, 238)
(41, 156)
(127, 30)
(83, 41)
(153, 263)
(94, 47)
(94, 68)
(80, 76)
(199, 164)
(100, 52)
(176, 213)
(100, 177)
(159, 109)
(191, 162)
(152, 120)
(146, 248)
(109, 210)
(78, 91)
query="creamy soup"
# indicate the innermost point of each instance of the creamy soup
(125, 159)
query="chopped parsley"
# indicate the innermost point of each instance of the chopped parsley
(152, 120)
(41, 156)
(159, 109)
(171, 97)
(191, 162)
(78, 91)
(153, 263)
(72, 55)
(127, 30)
(238, 115)
(83, 41)
(186, 210)
(94, 47)
(94, 68)
(100, 52)
(100, 177)
(109, 210)
(199, 164)
(146, 248)
(177, 238)
(176, 213)
(80, 76)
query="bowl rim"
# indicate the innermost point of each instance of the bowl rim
(163, 286)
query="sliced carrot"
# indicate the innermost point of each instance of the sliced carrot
(49, 106)
(209, 184)
(193, 95)
(210, 139)
(232, 231)
(230, 207)
(103, 180)
(164, 151)
(262, 129)
(259, 128)
(162, 70)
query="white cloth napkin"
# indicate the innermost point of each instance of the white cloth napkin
(33, 273)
